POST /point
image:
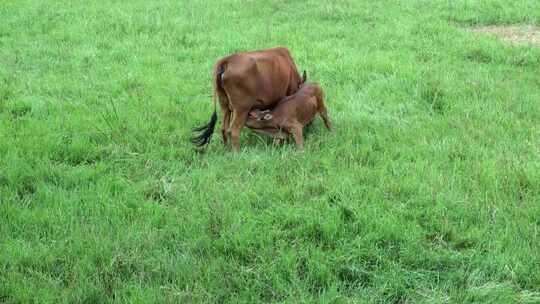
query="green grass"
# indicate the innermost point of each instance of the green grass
(428, 192)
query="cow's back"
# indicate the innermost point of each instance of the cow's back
(267, 76)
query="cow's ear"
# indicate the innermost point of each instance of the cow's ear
(304, 76)
(267, 117)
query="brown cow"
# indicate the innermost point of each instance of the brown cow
(245, 81)
(291, 114)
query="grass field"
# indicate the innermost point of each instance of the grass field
(428, 192)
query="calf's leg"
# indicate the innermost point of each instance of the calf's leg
(277, 141)
(298, 137)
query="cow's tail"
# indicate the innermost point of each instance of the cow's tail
(203, 134)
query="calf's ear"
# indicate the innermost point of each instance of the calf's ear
(267, 117)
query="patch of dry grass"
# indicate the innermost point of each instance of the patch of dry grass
(515, 34)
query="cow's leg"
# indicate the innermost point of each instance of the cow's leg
(239, 120)
(231, 119)
(226, 122)
(298, 137)
(226, 111)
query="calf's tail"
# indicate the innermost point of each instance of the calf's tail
(203, 134)
(323, 112)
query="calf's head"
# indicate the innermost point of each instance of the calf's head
(262, 120)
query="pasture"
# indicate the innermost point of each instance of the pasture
(428, 192)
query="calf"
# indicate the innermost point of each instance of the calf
(245, 81)
(291, 114)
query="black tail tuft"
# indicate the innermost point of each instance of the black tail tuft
(205, 132)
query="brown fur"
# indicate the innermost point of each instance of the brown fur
(245, 81)
(291, 114)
